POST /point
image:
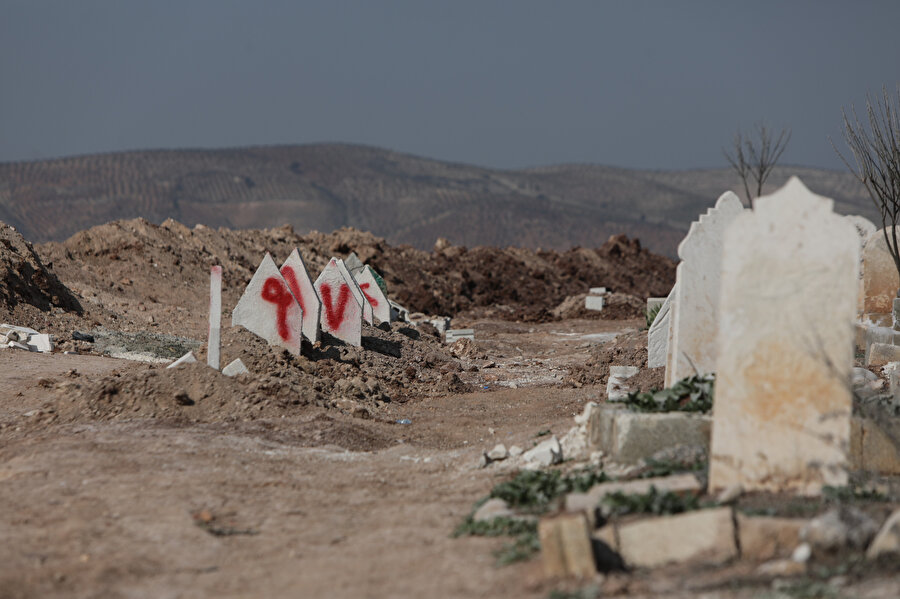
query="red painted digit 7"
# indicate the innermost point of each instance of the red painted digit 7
(288, 273)
(275, 292)
(334, 315)
(371, 299)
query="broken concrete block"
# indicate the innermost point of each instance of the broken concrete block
(544, 454)
(695, 311)
(373, 294)
(782, 413)
(566, 547)
(658, 335)
(492, 508)
(888, 538)
(593, 302)
(301, 285)
(704, 536)
(213, 345)
(367, 312)
(268, 308)
(872, 449)
(342, 313)
(187, 358)
(40, 342)
(235, 368)
(879, 334)
(627, 437)
(880, 354)
(17, 345)
(763, 538)
(454, 335)
(678, 483)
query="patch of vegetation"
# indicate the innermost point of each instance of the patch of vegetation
(589, 592)
(495, 527)
(658, 468)
(532, 491)
(651, 314)
(849, 494)
(543, 433)
(524, 547)
(805, 589)
(693, 394)
(652, 502)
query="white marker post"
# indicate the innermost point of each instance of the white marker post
(215, 316)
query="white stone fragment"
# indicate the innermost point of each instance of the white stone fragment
(381, 309)
(187, 358)
(269, 309)
(213, 346)
(301, 285)
(695, 311)
(617, 387)
(368, 315)
(235, 368)
(593, 302)
(499, 452)
(544, 454)
(788, 303)
(341, 312)
(40, 342)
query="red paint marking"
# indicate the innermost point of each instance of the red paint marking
(275, 292)
(288, 273)
(334, 316)
(371, 299)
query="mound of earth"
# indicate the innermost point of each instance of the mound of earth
(134, 274)
(27, 286)
(616, 306)
(628, 349)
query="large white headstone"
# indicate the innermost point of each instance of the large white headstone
(658, 335)
(357, 292)
(695, 308)
(373, 294)
(880, 280)
(297, 277)
(781, 419)
(269, 309)
(341, 312)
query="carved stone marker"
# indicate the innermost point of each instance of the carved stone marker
(658, 335)
(297, 277)
(341, 311)
(269, 309)
(695, 309)
(781, 420)
(373, 294)
(880, 281)
(213, 345)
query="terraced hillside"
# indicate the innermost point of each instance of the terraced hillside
(405, 198)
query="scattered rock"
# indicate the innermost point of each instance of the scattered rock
(499, 452)
(764, 538)
(544, 454)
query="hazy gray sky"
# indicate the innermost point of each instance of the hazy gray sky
(506, 84)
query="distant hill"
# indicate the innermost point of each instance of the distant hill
(405, 198)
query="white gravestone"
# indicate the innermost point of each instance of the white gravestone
(695, 310)
(357, 292)
(297, 277)
(880, 281)
(658, 335)
(213, 344)
(865, 229)
(269, 309)
(373, 294)
(341, 312)
(781, 419)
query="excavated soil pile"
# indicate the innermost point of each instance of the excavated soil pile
(134, 274)
(391, 366)
(27, 286)
(629, 349)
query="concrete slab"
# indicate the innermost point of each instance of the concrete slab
(269, 309)
(627, 437)
(296, 275)
(235, 368)
(593, 302)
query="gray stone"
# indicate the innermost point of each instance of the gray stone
(499, 452)
(880, 354)
(544, 454)
(628, 437)
(701, 537)
(593, 302)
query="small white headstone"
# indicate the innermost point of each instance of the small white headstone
(235, 368)
(368, 314)
(658, 335)
(781, 420)
(696, 308)
(381, 309)
(215, 317)
(187, 358)
(297, 277)
(268, 308)
(341, 312)
(593, 302)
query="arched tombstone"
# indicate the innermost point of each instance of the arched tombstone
(781, 419)
(695, 307)
(269, 309)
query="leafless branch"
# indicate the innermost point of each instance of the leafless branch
(753, 158)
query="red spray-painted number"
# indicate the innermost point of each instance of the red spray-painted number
(334, 315)
(275, 292)
(371, 299)
(290, 276)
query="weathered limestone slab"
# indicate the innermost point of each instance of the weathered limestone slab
(695, 312)
(766, 537)
(658, 335)
(301, 285)
(788, 302)
(566, 547)
(373, 294)
(617, 387)
(872, 449)
(593, 302)
(268, 308)
(879, 354)
(887, 541)
(627, 436)
(342, 313)
(213, 345)
(880, 281)
(357, 292)
(704, 536)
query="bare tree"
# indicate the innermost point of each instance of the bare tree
(876, 154)
(754, 157)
